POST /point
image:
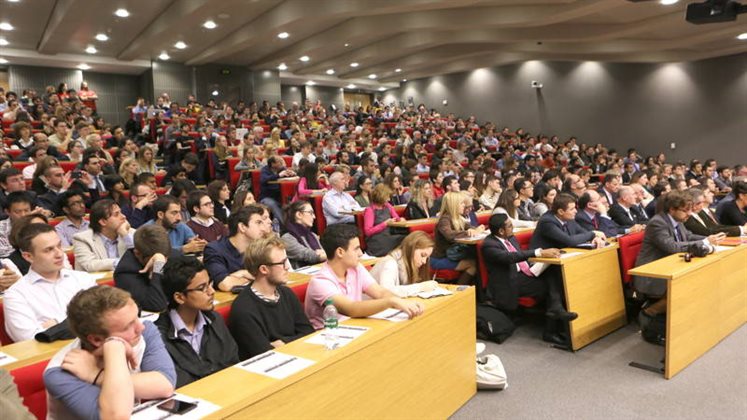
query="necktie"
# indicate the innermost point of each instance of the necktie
(710, 215)
(523, 265)
(677, 236)
(595, 221)
(565, 228)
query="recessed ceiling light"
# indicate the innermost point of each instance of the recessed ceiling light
(381, 89)
(347, 45)
(304, 58)
(372, 76)
(13, 1)
(181, 45)
(742, 36)
(209, 24)
(310, 83)
(283, 35)
(215, 93)
(164, 56)
(351, 86)
(397, 70)
(331, 71)
(668, 2)
(91, 49)
(5, 26)
(3, 42)
(282, 66)
(102, 37)
(354, 64)
(123, 13)
(3, 61)
(404, 80)
(84, 66)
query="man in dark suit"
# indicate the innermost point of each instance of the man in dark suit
(592, 216)
(510, 276)
(557, 228)
(666, 235)
(702, 221)
(622, 212)
(609, 187)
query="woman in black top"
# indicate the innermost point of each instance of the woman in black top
(733, 212)
(421, 201)
(220, 194)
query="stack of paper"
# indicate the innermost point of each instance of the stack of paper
(438, 291)
(6, 359)
(275, 365)
(345, 334)
(391, 314)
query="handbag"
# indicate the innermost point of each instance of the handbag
(457, 252)
(490, 371)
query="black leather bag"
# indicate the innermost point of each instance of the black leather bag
(493, 325)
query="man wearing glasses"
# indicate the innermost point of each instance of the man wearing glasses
(74, 207)
(267, 314)
(140, 209)
(195, 336)
(202, 222)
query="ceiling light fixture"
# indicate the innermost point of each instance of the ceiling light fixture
(668, 2)
(371, 76)
(310, 83)
(283, 35)
(181, 45)
(351, 86)
(381, 89)
(282, 67)
(91, 49)
(3, 42)
(102, 37)
(304, 58)
(3, 61)
(13, 1)
(123, 13)
(209, 24)
(84, 66)
(164, 56)
(331, 72)
(404, 80)
(742, 37)
(215, 93)
(5, 26)
(347, 45)
(354, 65)
(397, 70)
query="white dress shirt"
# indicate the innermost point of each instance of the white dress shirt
(33, 300)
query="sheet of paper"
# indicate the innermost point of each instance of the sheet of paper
(438, 291)
(150, 410)
(570, 254)
(6, 359)
(391, 314)
(538, 268)
(275, 365)
(310, 270)
(479, 236)
(720, 248)
(149, 316)
(100, 274)
(345, 335)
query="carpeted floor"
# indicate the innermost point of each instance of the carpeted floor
(597, 383)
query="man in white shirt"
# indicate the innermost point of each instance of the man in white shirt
(39, 300)
(305, 153)
(336, 200)
(36, 154)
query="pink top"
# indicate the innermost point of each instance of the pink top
(369, 228)
(302, 191)
(324, 285)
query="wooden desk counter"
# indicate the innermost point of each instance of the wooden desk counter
(593, 289)
(290, 180)
(706, 301)
(415, 222)
(419, 368)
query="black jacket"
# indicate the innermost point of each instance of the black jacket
(218, 350)
(549, 233)
(413, 211)
(501, 265)
(145, 291)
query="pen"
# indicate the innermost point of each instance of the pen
(394, 314)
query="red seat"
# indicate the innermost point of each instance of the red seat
(71, 257)
(14, 153)
(287, 191)
(526, 302)
(483, 218)
(447, 275)
(30, 382)
(428, 227)
(224, 311)
(256, 182)
(68, 166)
(630, 245)
(4, 337)
(21, 165)
(300, 291)
(361, 232)
(524, 238)
(288, 160)
(321, 221)
(233, 174)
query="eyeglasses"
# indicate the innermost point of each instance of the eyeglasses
(307, 211)
(280, 263)
(204, 287)
(209, 204)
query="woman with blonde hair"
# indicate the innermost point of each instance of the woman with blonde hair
(405, 271)
(421, 202)
(379, 239)
(275, 137)
(448, 254)
(128, 170)
(146, 160)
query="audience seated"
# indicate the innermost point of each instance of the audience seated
(110, 236)
(202, 221)
(266, 314)
(558, 229)
(421, 203)
(447, 254)
(18, 204)
(702, 221)
(405, 271)
(195, 336)
(115, 360)
(15, 260)
(336, 201)
(592, 216)
(39, 299)
(344, 280)
(734, 212)
(140, 208)
(301, 244)
(167, 210)
(380, 240)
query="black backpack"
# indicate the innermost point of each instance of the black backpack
(492, 324)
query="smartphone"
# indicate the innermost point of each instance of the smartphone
(76, 175)
(175, 406)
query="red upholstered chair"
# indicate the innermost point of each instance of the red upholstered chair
(21, 165)
(446, 275)
(361, 234)
(233, 174)
(524, 238)
(525, 302)
(68, 166)
(630, 245)
(321, 221)
(483, 218)
(300, 291)
(14, 153)
(224, 311)
(256, 182)
(159, 179)
(71, 257)
(427, 227)
(4, 337)
(288, 160)
(30, 382)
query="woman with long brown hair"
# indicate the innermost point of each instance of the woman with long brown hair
(406, 270)
(447, 253)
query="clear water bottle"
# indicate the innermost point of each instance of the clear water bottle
(330, 325)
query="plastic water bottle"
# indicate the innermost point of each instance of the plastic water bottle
(330, 325)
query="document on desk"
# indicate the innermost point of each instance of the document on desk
(479, 236)
(438, 291)
(570, 254)
(345, 334)
(391, 314)
(149, 410)
(310, 270)
(275, 365)
(6, 359)
(719, 248)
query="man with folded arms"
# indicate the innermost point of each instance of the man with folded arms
(101, 247)
(344, 280)
(267, 314)
(115, 360)
(195, 336)
(39, 299)
(624, 212)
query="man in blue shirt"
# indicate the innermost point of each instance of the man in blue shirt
(269, 193)
(115, 360)
(168, 214)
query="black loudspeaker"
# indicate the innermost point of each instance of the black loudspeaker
(713, 11)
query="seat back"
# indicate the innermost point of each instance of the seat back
(225, 312)
(30, 382)
(524, 238)
(483, 218)
(361, 232)
(300, 291)
(630, 245)
(428, 227)
(233, 174)
(481, 265)
(321, 221)
(4, 337)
